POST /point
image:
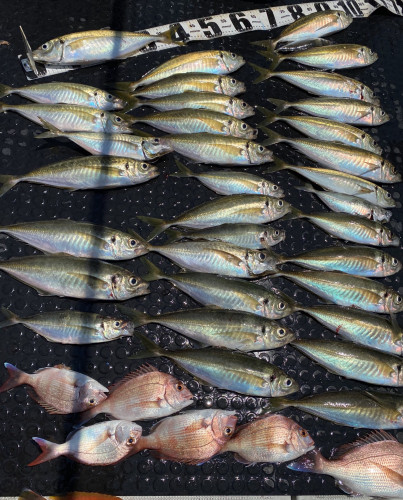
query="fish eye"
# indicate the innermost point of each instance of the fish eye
(398, 299)
(156, 140)
(95, 93)
(243, 104)
(262, 256)
(45, 46)
(388, 195)
(144, 166)
(233, 55)
(92, 401)
(363, 136)
(132, 243)
(133, 281)
(395, 262)
(280, 203)
(382, 113)
(228, 431)
(244, 126)
(281, 332)
(303, 433)
(276, 232)
(288, 382)
(179, 387)
(102, 115)
(274, 187)
(281, 305)
(118, 119)
(232, 81)
(130, 440)
(109, 96)
(260, 149)
(116, 324)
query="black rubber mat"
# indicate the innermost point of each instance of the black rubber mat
(20, 417)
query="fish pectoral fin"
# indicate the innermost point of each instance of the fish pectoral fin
(394, 476)
(241, 460)
(364, 191)
(371, 167)
(43, 293)
(347, 490)
(320, 28)
(230, 258)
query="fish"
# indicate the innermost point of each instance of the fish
(340, 182)
(58, 389)
(194, 121)
(352, 228)
(87, 172)
(217, 149)
(354, 361)
(224, 369)
(73, 118)
(309, 26)
(145, 394)
(74, 495)
(202, 100)
(81, 278)
(71, 327)
(331, 57)
(321, 83)
(218, 62)
(324, 129)
(359, 409)
(219, 327)
(227, 293)
(229, 209)
(350, 111)
(348, 159)
(253, 236)
(79, 239)
(69, 93)
(104, 443)
(97, 46)
(273, 438)
(230, 182)
(189, 82)
(347, 290)
(357, 260)
(371, 466)
(191, 438)
(125, 145)
(362, 327)
(348, 204)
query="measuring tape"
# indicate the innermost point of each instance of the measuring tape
(234, 23)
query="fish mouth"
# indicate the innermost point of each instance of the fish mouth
(142, 289)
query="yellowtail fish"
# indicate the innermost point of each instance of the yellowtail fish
(229, 209)
(191, 438)
(271, 439)
(229, 370)
(202, 100)
(371, 466)
(321, 83)
(96, 46)
(324, 129)
(68, 93)
(88, 279)
(57, 389)
(340, 182)
(219, 62)
(330, 57)
(88, 172)
(187, 82)
(104, 443)
(71, 327)
(218, 150)
(365, 409)
(75, 495)
(345, 110)
(145, 394)
(310, 26)
(193, 121)
(230, 182)
(73, 118)
(254, 236)
(354, 361)
(346, 290)
(362, 327)
(79, 239)
(220, 327)
(348, 204)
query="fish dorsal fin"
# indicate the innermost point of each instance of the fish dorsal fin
(373, 437)
(52, 410)
(142, 370)
(61, 366)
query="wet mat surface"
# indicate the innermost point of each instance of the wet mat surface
(20, 417)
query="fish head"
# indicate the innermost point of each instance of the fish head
(279, 335)
(126, 285)
(398, 345)
(50, 52)
(238, 128)
(300, 439)
(271, 236)
(389, 172)
(387, 237)
(270, 189)
(281, 384)
(366, 94)
(259, 154)
(379, 116)
(223, 425)
(230, 86)
(177, 395)
(274, 208)
(92, 394)
(367, 142)
(113, 328)
(153, 147)
(105, 100)
(259, 261)
(241, 109)
(139, 171)
(276, 307)
(126, 247)
(393, 302)
(366, 55)
(384, 198)
(230, 62)
(127, 433)
(115, 122)
(342, 19)
(387, 265)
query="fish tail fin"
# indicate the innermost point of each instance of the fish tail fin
(184, 171)
(3, 107)
(277, 404)
(262, 73)
(12, 319)
(294, 213)
(272, 137)
(132, 102)
(307, 187)
(123, 86)
(87, 415)
(153, 272)
(311, 462)
(264, 43)
(30, 495)
(8, 182)
(173, 235)
(5, 90)
(151, 349)
(270, 116)
(277, 165)
(159, 225)
(169, 36)
(16, 377)
(48, 451)
(269, 53)
(138, 318)
(280, 104)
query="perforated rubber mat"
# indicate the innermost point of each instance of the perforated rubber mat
(20, 417)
